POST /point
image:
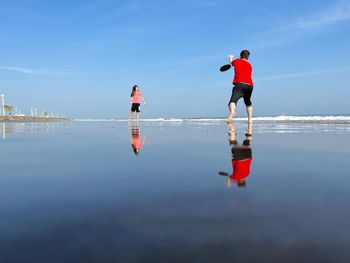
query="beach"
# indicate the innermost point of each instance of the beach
(78, 191)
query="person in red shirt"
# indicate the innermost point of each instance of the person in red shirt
(243, 85)
(135, 99)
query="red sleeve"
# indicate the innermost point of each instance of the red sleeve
(233, 62)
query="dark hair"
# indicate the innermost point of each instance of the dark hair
(242, 183)
(133, 90)
(245, 54)
(136, 151)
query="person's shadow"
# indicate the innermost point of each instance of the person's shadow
(241, 157)
(135, 137)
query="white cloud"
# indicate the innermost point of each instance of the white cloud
(127, 8)
(340, 12)
(141, 29)
(294, 75)
(300, 74)
(204, 3)
(301, 27)
(44, 72)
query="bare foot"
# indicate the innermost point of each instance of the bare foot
(229, 119)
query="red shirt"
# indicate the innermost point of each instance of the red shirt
(136, 141)
(243, 71)
(136, 98)
(241, 169)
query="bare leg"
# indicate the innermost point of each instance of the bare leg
(130, 116)
(232, 132)
(232, 108)
(249, 129)
(250, 114)
(137, 115)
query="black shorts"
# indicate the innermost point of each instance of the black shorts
(241, 90)
(135, 107)
(241, 153)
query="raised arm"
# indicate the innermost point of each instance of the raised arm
(230, 58)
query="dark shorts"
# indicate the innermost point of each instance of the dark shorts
(135, 132)
(135, 107)
(241, 153)
(241, 90)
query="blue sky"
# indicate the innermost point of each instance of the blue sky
(81, 58)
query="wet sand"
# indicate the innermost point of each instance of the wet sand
(77, 192)
(12, 118)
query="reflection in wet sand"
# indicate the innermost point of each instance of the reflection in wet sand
(135, 137)
(3, 131)
(32, 127)
(241, 157)
(79, 196)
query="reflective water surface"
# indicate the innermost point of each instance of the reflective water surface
(78, 192)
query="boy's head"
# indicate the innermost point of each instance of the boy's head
(242, 183)
(245, 54)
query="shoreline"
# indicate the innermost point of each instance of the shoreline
(220, 121)
(257, 120)
(9, 118)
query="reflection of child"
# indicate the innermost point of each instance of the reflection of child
(135, 99)
(135, 139)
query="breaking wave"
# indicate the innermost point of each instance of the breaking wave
(277, 119)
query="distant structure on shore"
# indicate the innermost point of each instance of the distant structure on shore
(2, 104)
(11, 113)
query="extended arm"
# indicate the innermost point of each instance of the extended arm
(230, 58)
(228, 182)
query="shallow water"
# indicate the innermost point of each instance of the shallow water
(77, 192)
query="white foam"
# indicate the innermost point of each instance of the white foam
(303, 118)
(281, 118)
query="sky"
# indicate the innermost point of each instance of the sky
(81, 58)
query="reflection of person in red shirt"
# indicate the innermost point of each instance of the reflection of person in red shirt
(241, 158)
(135, 138)
(241, 161)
